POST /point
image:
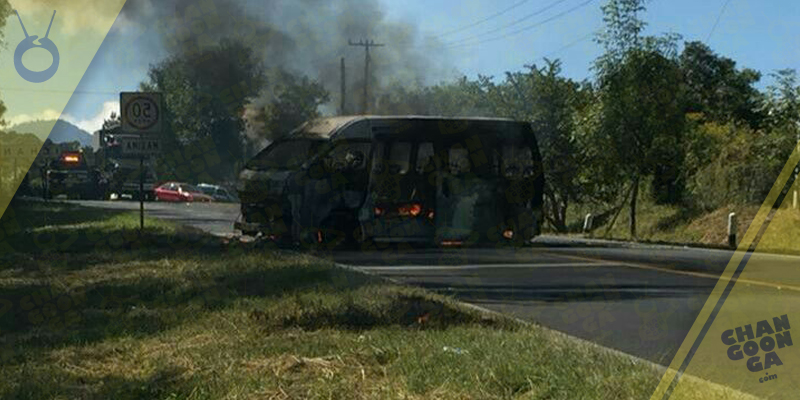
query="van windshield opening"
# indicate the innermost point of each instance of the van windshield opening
(289, 154)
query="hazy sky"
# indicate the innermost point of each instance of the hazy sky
(763, 35)
(467, 35)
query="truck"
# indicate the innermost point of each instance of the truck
(118, 157)
(110, 168)
(71, 175)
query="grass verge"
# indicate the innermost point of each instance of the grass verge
(677, 225)
(104, 312)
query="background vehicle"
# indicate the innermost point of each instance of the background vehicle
(121, 168)
(71, 176)
(180, 192)
(125, 181)
(431, 180)
(219, 193)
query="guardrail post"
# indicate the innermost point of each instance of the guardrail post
(732, 229)
(587, 223)
(794, 200)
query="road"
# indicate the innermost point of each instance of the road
(639, 299)
(215, 218)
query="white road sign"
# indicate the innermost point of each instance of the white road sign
(141, 112)
(134, 145)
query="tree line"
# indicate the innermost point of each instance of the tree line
(662, 118)
(673, 121)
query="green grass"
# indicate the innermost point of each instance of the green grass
(666, 223)
(673, 224)
(173, 314)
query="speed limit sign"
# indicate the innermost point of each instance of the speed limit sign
(141, 112)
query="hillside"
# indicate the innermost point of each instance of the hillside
(63, 131)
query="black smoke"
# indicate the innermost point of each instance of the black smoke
(304, 37)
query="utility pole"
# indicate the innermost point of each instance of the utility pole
(342, 110)
(794, 184)
(366, 44)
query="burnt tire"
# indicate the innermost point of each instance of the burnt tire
(338, 232)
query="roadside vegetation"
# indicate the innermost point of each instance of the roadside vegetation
(666, 132)
(191, 317)
(664, 141)
(673, 224)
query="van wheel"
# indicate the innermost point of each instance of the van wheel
(360, 241)
(339, 231)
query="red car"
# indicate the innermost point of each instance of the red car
(181, 192)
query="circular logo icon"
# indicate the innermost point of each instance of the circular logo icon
(27, 44)
(141, 112)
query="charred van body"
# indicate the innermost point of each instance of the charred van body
(430, 180)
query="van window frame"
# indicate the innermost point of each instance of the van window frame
(318, 146)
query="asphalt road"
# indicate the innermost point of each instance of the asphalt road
(639, 299)
(215, 218)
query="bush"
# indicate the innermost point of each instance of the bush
(730, 164)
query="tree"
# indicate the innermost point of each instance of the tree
(286, 103)
(549, 102)
(462, 97)
(5, 12)
(782, 101)
(205, 94)
(621, 33)
(717, 89)
(113, 121)
(641, 112)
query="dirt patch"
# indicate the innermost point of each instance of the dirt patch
(348, 312)
(713, 227)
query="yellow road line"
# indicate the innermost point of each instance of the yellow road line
(648, 267)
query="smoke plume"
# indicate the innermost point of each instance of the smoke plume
(304, 37)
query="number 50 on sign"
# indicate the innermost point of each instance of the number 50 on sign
(141, 112)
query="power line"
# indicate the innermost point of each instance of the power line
(719, 16)
(568, 45)
(554, 52)
(523, 19)
(529, 27)
(14, 89)
(476, 23)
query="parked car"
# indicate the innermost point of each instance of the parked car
(219, 193)
(181, 192)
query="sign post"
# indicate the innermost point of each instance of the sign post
(141, 114)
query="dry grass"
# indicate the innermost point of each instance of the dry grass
(671, 224)
(206, 322)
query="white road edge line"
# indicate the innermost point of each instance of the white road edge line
(660, 369)
(704, 275)
(634, 359)
(480, 266)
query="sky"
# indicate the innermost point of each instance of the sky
(472, 37)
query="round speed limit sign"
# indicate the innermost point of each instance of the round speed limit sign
(140, 112)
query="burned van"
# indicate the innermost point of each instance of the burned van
(430, 180)
(307, 186)
(453, 182)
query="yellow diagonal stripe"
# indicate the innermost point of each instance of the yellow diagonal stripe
(742, 337)
(78, 29)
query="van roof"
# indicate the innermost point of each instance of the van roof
(326, 127)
